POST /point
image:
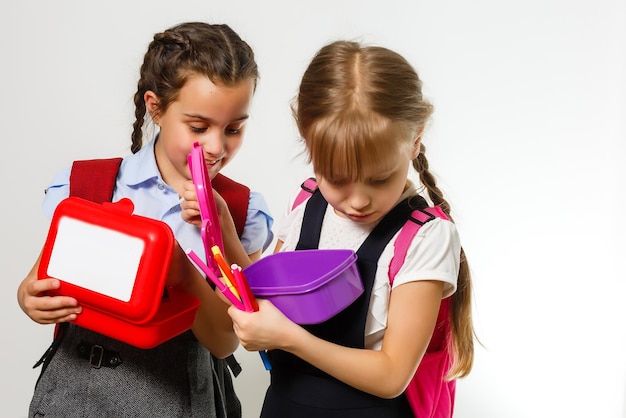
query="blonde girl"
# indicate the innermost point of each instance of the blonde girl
(361, 115)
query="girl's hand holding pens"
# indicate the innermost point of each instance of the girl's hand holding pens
(266, 329)
(191, 208)
(189, 204)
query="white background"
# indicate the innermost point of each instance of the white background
(527, 140)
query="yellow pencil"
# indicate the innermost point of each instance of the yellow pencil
(227, 275)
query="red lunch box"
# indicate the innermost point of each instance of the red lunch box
(116, 265)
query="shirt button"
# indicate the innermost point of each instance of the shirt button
(161, 186)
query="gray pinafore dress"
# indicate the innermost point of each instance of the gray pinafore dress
(91, 375)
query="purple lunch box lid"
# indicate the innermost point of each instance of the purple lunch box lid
(349, 259)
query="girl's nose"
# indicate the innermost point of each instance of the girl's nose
(358, 198)
(214, 145)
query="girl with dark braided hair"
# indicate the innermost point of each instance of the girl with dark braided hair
(196, 83)
(361, 114)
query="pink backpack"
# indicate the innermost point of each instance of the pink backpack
(428, 393)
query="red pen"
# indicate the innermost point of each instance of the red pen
(247, 298)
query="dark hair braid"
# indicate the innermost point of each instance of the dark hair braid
(140, 111)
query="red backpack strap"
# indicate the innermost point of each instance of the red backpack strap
(307, 188)
(94, 180)
(237, 196)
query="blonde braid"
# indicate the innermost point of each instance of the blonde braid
(420, 164)
(461, 308)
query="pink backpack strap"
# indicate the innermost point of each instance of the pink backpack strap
(307, 188)
(407, 233)
(428, 392)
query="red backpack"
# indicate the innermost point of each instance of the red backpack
(429, 393)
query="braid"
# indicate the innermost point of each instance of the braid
(461, 324)
(172, 39)
(461, 308)
(140, 113)
(428, 180)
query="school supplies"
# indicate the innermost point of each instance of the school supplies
(227, 274)
(215, 279)
(232, 283)
(247, 298)
(210, 231)
(250, 304)
(116, 265)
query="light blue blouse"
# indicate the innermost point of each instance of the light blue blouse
(140, 180)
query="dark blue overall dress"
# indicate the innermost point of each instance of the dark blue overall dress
(300, 390)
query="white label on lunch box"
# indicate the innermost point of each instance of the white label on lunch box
(95, 258)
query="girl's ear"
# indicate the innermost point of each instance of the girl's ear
(415, 150)
(152, 105)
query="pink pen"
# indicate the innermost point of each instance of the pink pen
(213, 278)
(245, 289)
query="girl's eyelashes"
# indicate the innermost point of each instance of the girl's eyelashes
(196, 130)
(228, 131)
(236, 129)
(344, 182)
(336, 182)
(378, 182)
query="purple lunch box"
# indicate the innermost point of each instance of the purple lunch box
(308, 286)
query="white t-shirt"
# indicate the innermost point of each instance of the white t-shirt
(433, 254)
